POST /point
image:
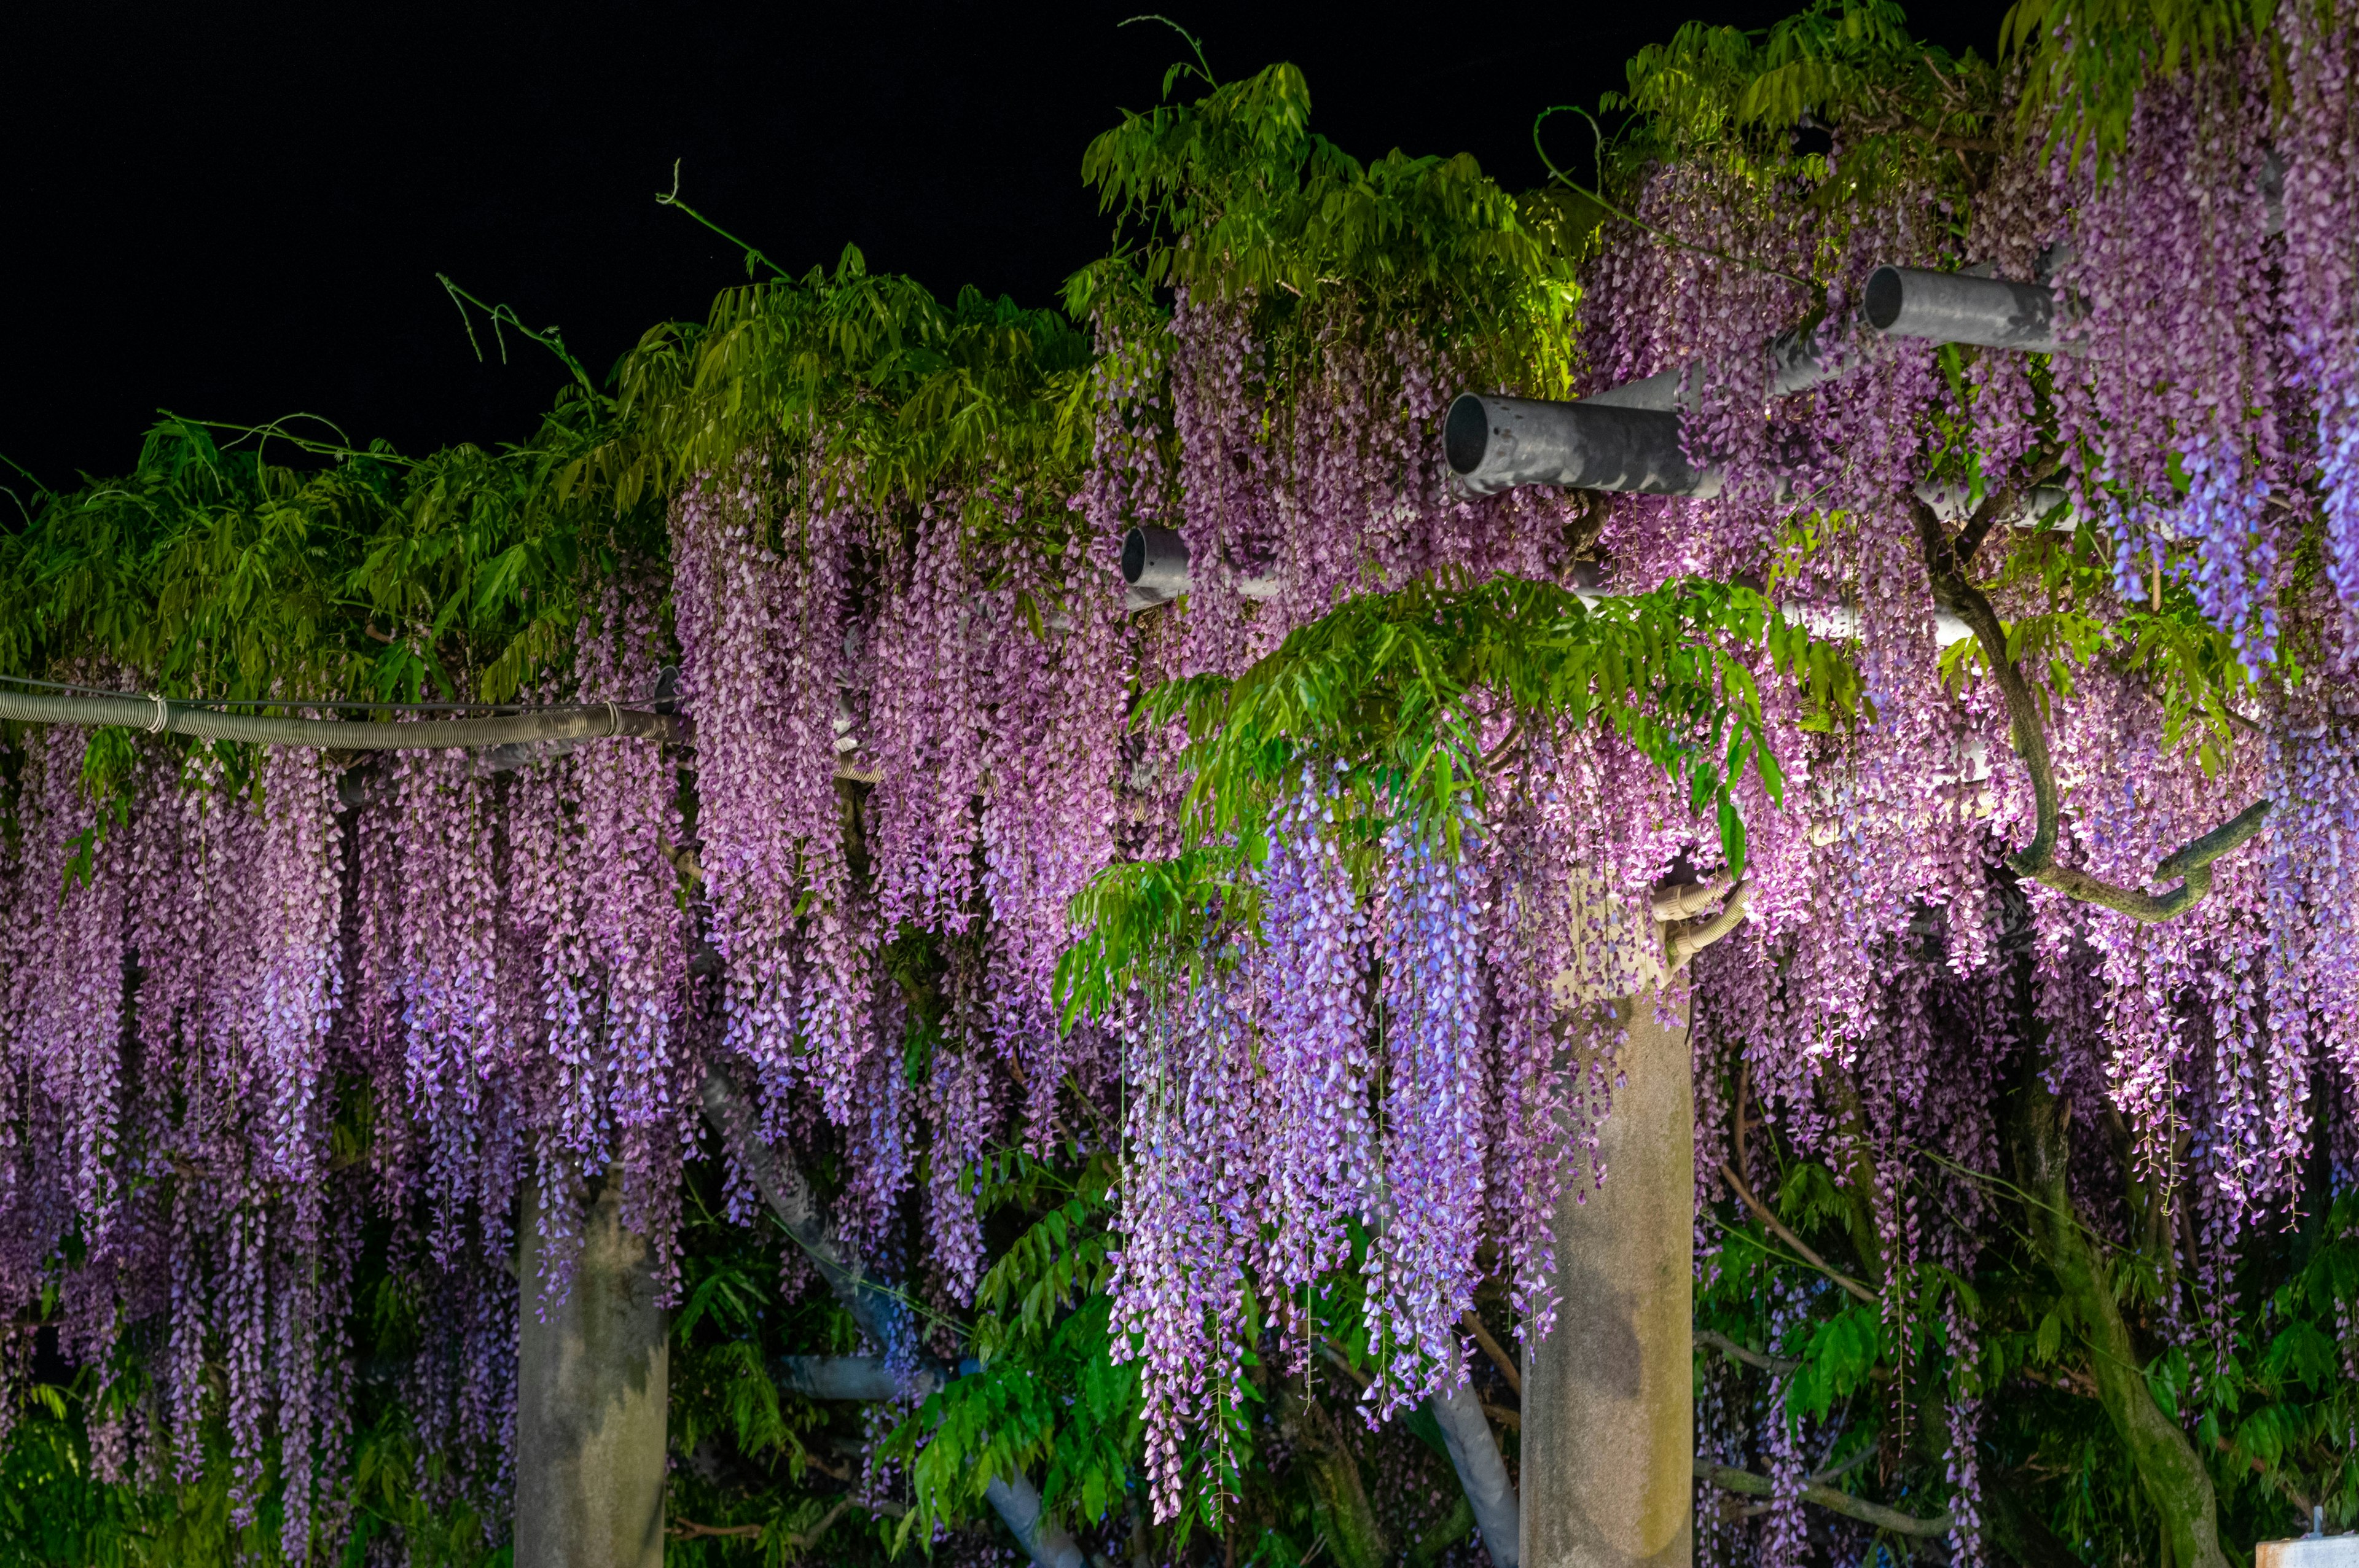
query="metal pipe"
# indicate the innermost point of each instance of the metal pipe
(1795, 362)
(1155, 562)
(1047, 1542)
(1953, 307)
(159, 715)
(1498, 443)
(1155, 568)
(1466, 1432)
(849, 1378)
(1012, 1497)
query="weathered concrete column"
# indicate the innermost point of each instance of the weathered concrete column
(1609, 1398)
(592, 1384)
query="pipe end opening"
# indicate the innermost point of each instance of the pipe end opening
(1885, 295)
(1466, 435)
(1134, 556)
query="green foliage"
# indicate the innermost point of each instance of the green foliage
(750, 1452)
(211, 571)
(892, 392)
(1904, 105)
(2270, 1413)
(2062, 581)
(1839, 1354)
(52, 1510)
(1916, 122)
(335, 572)
(1048, 1397)
(1390, 694)
(1061, 1258)
(2055, 582)
(205, 567)
(56, 1512)
(2084, 60)
(1233, 195)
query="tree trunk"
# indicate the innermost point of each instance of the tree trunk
(1355, 1537)
(1609, 1398)
(591, 1385)
(2177, 1486)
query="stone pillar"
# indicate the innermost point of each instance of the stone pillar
(591, 1385)
(1609, 1398)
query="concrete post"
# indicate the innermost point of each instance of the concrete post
(592, 1384)
(1609, 1398)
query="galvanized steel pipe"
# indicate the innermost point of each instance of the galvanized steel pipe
(1155, 567)
(1475, 1451)
(159, 715)
(1498, 443)
(1953, 307)
(1795, 362)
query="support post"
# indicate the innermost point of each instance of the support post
(1609, 1400)
(591, 1385)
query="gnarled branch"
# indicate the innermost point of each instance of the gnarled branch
(1954, 592)
(1729, 1478)
(1686, 931)
(1998, 507)
(1760, 1210)
(1751, 1358)
(1495, 1351)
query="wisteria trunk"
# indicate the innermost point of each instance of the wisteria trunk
(1609, 1398)
(593, 1379)
(2177, 1486)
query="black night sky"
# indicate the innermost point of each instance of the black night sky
(238, 211)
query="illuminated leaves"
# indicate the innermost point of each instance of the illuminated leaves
(1393, 694)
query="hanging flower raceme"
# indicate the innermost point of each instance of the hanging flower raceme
(1191, 1165)
(1321, 1056)
(1058, 690)
(459, 1023)
(74, 897)
(1421, 1266)
(2170, 262)
(927, 732)
(300, 981)
(2317, 154)
(593, 893)
(758, 600)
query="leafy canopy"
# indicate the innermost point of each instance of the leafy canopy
(212, 570)
(868, 370)
(1233, 196)
(2084, 60)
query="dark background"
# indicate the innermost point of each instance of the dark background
(237, 211)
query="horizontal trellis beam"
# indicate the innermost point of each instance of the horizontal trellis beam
(865, 1377)
(1899, 302)
(1505, 443)
(1495, 444)
(1837, 623)
(161, 715)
